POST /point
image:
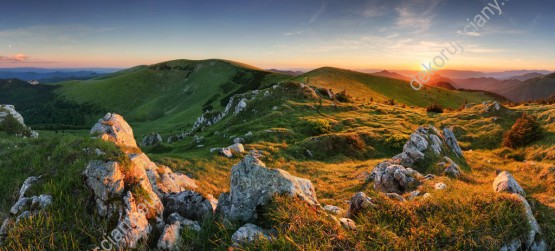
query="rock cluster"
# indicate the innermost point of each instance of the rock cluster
(253, 185)
(397, 176)
(25, 207)
(151, 140)
(505, 183)
(141, 193)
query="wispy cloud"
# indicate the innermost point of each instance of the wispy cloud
(293, 33)
(318, 13)
(411, 16)
(17, 58)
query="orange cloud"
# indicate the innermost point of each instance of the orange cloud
(14, 58)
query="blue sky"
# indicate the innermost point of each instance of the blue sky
(377, 34)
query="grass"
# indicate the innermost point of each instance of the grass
(347, 140)
(61, 161)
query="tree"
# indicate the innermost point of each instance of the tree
(525, 130)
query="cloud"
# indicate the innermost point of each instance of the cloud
(412, 15)
(318, 13)
(293, 33)
(17, 58)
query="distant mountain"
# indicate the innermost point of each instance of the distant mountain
(527, 76)
(461, 74)
(485, 84)
(46, 76)
(366, 86)
(290, 73)
(531, 89)
(389, 74)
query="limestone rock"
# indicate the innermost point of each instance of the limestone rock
(451, 168)
(533, 240)
(395, 197)
(505, 182)
(171, 235)
(226, 152)
(333, 210)
(392, 178)
(248, 234)
(188, 204)
(10, 109)
(359, 202)
(106, 182)
(112, 127)
(253, 184)
(237, 148)
(452, 142)
(348, 223)
(151, 140)
(440, 186)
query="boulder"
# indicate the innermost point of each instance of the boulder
(253, 185)
(188, 204)
(506, 183)
(105, 179)
(226, 152)
(359, 202)
(171, 235)
(533, 240)
(333, 210)
(237, 148)
(452, 142)
(112, 127)
(451, 168)
(440, 186)
(249, 233)
(348, 223)
(151, 140)
(395, 197)
(392, 178)
(25, 207)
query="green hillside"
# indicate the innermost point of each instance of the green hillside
(366, 86)
(171, 93)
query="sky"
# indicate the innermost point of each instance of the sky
(283, 34)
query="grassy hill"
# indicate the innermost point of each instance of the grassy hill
(172, 94)
(366, 86)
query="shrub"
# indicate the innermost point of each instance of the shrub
(319, 127)
(435, 107)
(525, 130)
(343, 97)
(12, 126)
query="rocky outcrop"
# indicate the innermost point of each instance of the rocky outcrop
(25, 207)
(134, 188)
(112, 127)
(6, 110)
(451, 168)
(428, 140)
(452, 142)
(505, 183)
(333, 210)
(151, 140)
(253, 185)
(393, 178)
(10, 109)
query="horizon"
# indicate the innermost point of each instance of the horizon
(375, 34)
